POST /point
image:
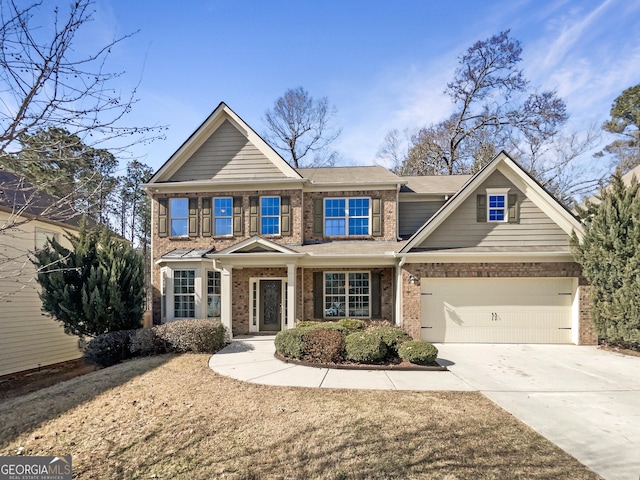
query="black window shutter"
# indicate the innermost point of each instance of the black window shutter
(318, 213)
(193, 217)
(376, 295)
(376, 217)
(285, 216)
(206, 217)
(318, 295)
(163, 217)
(254, 206)
(481, 205)
(514, 211)
(237, 217)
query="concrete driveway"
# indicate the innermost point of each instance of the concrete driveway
(585, 400)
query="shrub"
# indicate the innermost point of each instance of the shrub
(290, 343)
(197, 336)
(364, 348)
(109, 348)
(420, 353)
(322, 345)
(392, 337)
(324, 325)
(145, 341)
(352, 324)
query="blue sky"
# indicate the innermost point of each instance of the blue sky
(383, 64)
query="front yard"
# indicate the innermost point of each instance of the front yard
(170, 417)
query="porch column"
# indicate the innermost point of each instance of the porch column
(226, 297)
(291, 295)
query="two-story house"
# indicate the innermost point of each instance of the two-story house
(240, 235)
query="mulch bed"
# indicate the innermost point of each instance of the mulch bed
(21, 383)
(401, 366)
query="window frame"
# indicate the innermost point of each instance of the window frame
(222, 217)
(329, 299)
(172, 217)
(348, 208)
(214, 285)
(180, 296)
(498, 192)
(262, 216)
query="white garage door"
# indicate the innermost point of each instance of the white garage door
(496, 310)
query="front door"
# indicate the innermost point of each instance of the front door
(270, 305)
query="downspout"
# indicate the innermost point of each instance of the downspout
(398, 306)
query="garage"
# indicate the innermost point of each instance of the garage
(497, 310)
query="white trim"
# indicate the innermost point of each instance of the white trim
(278, 216)
(254, 295)
(521, 180)
(346, 273)
(346, 217)
(498, 192)
(213, 216)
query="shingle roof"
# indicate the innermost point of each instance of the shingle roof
(436, 184)
(17, 195)
(349, 175)
(362, 247)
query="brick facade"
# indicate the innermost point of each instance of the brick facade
(411, 292)
(305, 294)
(388, 211)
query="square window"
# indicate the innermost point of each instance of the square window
(347, 294)
(346, 217)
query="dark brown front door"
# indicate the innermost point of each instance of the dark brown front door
(270, 305)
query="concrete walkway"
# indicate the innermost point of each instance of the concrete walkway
(251, 359)
(583, 399)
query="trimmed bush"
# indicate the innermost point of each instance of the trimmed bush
(322, 345)
(109, 348)
(392, 337)
(197, 336)
(145, 341)
(352, 324)
(420, 353)
(290, 343)
(308, 325)
(364, 348)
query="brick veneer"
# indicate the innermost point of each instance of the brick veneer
(162, 245)
(388, 211)
(411, 292)
(386, 284)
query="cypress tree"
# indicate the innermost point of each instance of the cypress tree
(96, 287)
(610, 257)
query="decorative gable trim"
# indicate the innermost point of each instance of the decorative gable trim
(205, 130)
(520, 179)
(257, 242)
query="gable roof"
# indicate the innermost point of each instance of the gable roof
(221, 116)
(19, 197)
(521, 179)
(256, 244)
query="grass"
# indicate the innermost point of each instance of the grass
(171, 417)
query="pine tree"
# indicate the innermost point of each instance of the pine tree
(96, 287)
(610, 257)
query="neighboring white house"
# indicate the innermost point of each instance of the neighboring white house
(29, 338)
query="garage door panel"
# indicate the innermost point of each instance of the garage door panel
(497, 310)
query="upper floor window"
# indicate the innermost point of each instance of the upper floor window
(497, 208)
(42, 236)
(346, 217)
(179, 217)
(223, 216)
(270, 215)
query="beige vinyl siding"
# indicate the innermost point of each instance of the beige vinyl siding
(227, 155)
(28, 339)
(414, 214)
(461, 228)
